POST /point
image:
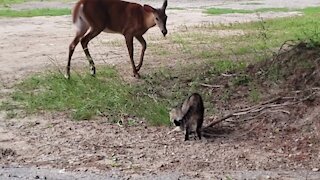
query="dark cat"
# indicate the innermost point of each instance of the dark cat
(189, 116)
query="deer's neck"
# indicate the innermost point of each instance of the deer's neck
(149, 20)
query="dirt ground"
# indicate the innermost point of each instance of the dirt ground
(100, 150)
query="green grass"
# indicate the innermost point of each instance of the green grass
(272, 10)
(176, 8)
(223, 66)
(311, 10)
(84, 97)
(8, 2)
(11, 1)
(34, 12)
(282, 29)
(218, 11)
(259, 39)
(252, 3)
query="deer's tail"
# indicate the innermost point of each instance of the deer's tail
(75, 12)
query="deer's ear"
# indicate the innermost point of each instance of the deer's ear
(148, 8)
(165, 4)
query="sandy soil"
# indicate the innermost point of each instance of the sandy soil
(52, 141)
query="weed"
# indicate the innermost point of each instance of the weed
(254, 94)
(223, 66)
(226, 95)
(241, 80)
(179, 39)
(11, 114)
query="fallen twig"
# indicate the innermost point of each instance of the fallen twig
(211, 86)
(227, 75)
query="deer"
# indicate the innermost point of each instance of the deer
(132, 20)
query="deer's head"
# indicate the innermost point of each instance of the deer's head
(160, 17)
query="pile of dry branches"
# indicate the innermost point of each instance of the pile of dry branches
(276, 104)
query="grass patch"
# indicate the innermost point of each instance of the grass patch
(272, 10)
(252, 3)
(7, 2)
(34, 12)
(311, 10)
(85, 97)
(259, 38)
(218, 11)
(4, 2)
(223, 66)
(176, 8)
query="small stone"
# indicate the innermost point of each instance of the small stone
(280, 151)
(37, 177)
(315, 169)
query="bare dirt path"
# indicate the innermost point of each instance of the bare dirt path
(29, 45)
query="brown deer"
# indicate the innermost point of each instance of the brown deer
(91, 17)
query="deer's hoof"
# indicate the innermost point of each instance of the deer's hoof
(136, 75)
(138, 67)
(93, 71)
(67, 76)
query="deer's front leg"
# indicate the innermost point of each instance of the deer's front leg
(144, 47)
(129, 42)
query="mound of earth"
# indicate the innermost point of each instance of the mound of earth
(296, 68)
(287, 123)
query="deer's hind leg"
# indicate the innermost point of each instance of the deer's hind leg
(82, 28)
(93, 32)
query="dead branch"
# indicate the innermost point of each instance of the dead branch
(220, 120)
(286, 43)
(261, 104)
